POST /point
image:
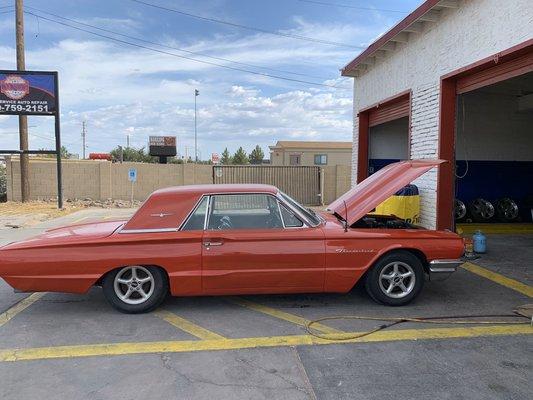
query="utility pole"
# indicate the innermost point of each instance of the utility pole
(23, 119)
(196, 94)
(83, 134)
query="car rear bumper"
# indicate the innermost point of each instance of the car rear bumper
(442, 269)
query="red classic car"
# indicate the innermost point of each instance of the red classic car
(240, 239)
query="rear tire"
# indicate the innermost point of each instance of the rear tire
(396, 279)
(135, 289)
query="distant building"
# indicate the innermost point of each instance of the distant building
(287, 152)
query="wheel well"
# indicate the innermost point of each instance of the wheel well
(101, 279)
(417, 253)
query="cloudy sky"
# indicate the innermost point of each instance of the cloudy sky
(131, 68)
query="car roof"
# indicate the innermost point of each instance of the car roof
(217, 188)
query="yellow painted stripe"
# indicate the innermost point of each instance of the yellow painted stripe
(498, 278)
(495, 228)
(188, 326)
(114, 349)
(6, 316)
(295, 319)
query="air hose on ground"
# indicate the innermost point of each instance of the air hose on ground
(521, 313)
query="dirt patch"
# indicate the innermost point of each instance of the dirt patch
(42, 208)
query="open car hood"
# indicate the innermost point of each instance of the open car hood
(375, 189)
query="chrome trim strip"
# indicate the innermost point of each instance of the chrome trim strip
(442, 269)
(207, 212)
(280, 204)
(296, 211)
(150, 230)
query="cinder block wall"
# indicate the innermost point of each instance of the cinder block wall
(100, 180)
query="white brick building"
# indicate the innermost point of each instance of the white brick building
(435, 68)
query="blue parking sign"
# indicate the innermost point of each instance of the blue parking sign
(132, 174)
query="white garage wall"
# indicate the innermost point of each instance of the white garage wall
(389, 140)
(477, 29)
(493, 128)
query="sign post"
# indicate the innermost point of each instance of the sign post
(132, 176)
(33, 93)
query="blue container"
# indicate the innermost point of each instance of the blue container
(480, 242)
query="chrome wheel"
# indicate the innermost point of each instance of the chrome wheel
(506, 209)
(459, 209)
(134, 284)
(482, 210)
(397, 279)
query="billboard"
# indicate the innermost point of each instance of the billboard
(28, 93)
(162, 146)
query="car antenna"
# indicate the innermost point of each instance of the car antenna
(345, 216)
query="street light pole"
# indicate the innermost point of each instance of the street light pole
(196, 94)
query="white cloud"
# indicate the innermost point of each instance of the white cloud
(116, 89)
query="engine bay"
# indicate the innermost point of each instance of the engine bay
(373, 221)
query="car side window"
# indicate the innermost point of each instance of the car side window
(197, 218)
(244, 211)
(290, 220)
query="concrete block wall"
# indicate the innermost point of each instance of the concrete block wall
(336, 182)
(100, 180)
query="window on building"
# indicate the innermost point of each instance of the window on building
(321, 159)
(295, 159)
(244, 211)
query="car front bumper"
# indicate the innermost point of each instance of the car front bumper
(439, 270)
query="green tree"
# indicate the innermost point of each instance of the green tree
(226, 157)
(133, 155)
(64, 153)
(240, 157)
(257, 155)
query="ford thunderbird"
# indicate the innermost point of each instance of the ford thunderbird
(240, 239)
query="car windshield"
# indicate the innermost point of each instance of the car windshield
(310, 214)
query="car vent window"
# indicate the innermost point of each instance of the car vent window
(197, 218)
(290, 220)
(244, 211)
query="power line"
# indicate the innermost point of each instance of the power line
(323, 3)
(181, 56)
(251, 28)
(174, 48)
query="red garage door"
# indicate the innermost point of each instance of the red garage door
(389, 111)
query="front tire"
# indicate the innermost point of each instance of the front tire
(396, 279)
(135, 289)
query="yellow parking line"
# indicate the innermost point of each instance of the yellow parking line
(188, 326)
(41, 353)
(502, 280)
(6, 316)
(295, 319)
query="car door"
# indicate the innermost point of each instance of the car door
(248, 248)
